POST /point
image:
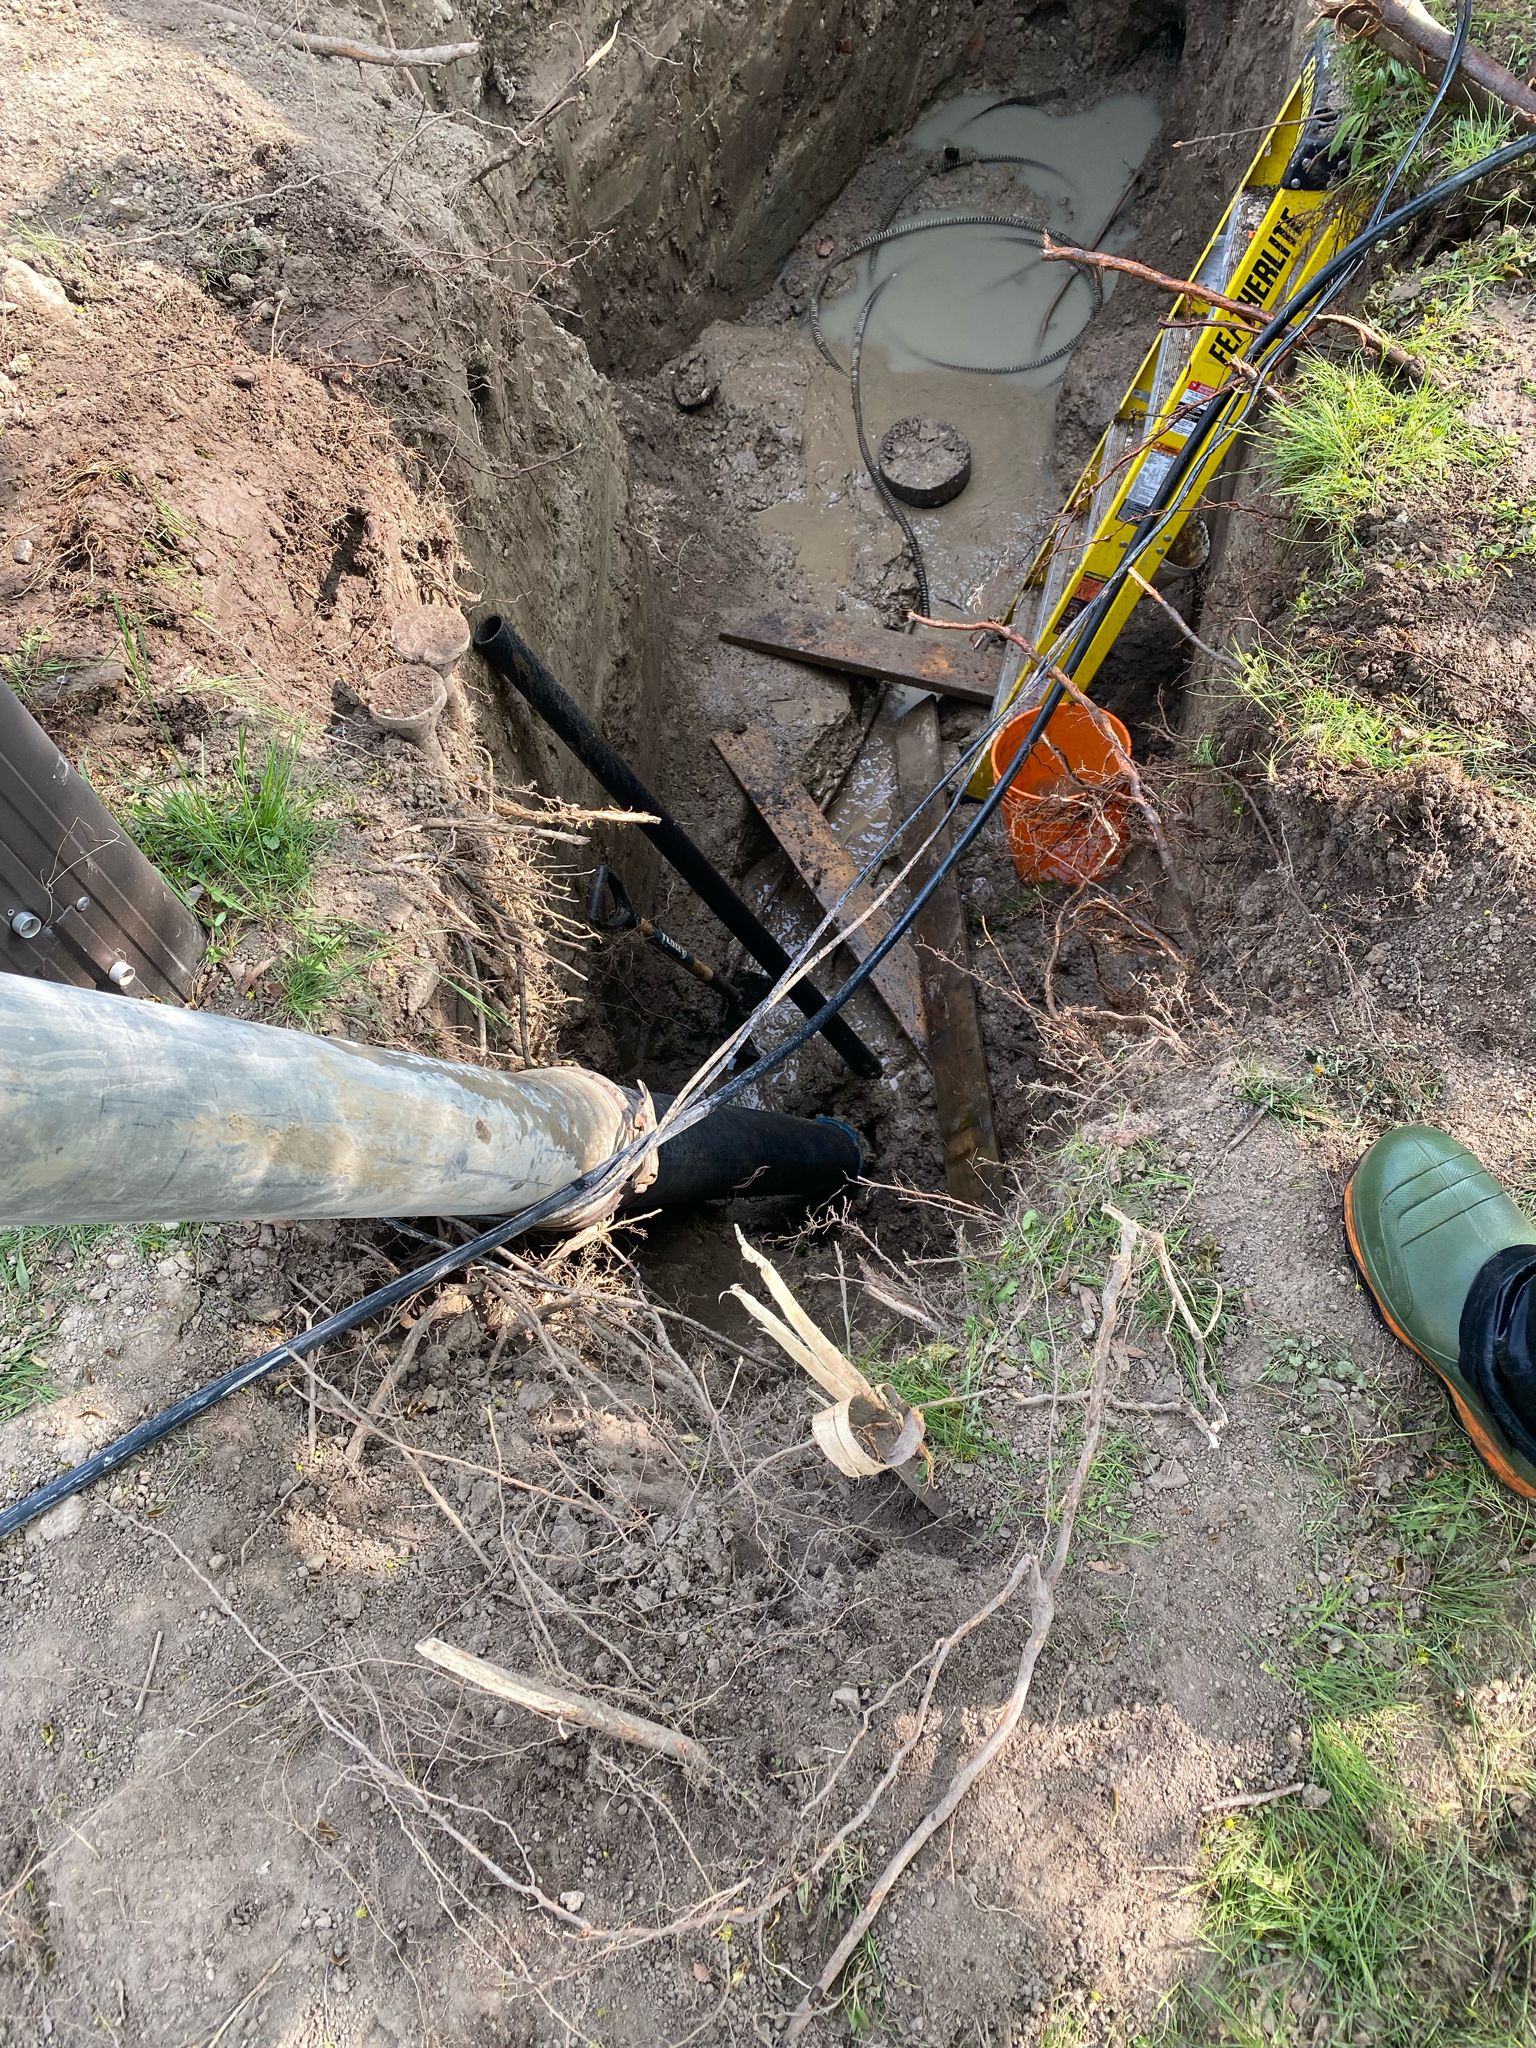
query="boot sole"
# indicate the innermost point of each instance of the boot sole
(1470, 1416)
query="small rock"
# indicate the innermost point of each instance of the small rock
(1315, 1797)
(63, 1520)
(1169, 1475)
(701, 1974)
(217, 1561)
(349, 1603)
(240, 285)
(22, 552)
(573, 1901)
(847, 1696)
(246, 379)
(693, 383)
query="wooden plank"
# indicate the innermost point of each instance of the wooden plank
(826, 867)
(944, 662)
(961, 1084)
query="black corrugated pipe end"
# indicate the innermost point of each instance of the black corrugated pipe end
(757, 1154)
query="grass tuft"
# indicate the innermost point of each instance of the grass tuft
(318, 970)
(249, 838)
(1315, 717)
(942, 1380)
(29, 665)
(1345, 442)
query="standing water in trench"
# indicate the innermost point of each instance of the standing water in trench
(946, 313)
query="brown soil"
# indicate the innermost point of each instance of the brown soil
(273, 389)
(404, 691)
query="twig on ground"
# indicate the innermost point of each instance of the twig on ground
(276, 1508)
(1042, 1587)
(1181, 1311)
(563, 98)
(344, 46)
(558, 1705)
(149, 1673)
(386, 1774)
(1241, 1799)
(405, 1357)
(239, 2007)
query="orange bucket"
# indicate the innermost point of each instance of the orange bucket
(1061, 826)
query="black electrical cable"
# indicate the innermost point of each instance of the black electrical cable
(1453, 59)
(1020, 230)
(379, 1302)
(892, 503)
(950, 159)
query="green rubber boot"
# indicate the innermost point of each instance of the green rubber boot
(1423, 1216)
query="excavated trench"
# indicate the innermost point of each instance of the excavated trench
(725, 328)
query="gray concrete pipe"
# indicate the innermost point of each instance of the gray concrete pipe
(118, 1111)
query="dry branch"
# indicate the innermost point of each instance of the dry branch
(565, 97)
(454, 1302)
(343, 46)
(558, 1705)
(1042, 1613)
(1244, 1799)
(1407, 31)
(1239, 309)
(1151, 590)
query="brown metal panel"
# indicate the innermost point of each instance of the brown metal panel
(827, 868)
(822, 640)
(66, 862)
(961, 1084)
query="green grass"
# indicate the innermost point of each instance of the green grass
(860, 1989)
(1107, 1512)
(29, 665)
(248, 837)
(1345, 442)
(246, 696)
(1287, 1101)
(59, 255)
(939, 1379)
(1344, 1087)
(1385, 101)
(24, 1379)
(1316, 718)
(320, 967)
(1377, 1911)
(1397, 1912)
(1069, 1240)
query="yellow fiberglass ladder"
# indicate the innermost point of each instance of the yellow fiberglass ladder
(1281, 226)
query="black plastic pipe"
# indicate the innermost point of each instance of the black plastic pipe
(518, 665)
(753, 1153)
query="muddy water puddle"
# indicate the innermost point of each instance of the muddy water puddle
(976, 297)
